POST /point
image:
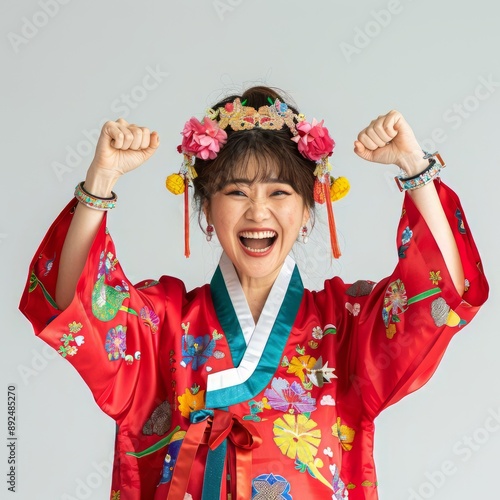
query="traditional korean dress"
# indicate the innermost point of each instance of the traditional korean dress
(210, 405)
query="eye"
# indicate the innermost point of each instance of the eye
(280, 192)
(235, 192)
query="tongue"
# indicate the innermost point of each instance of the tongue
(257, 244)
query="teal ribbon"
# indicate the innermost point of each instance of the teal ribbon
(216, 458)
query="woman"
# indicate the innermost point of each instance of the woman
(251, 386)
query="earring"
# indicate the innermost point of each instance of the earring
(210, 231)
(303, 234)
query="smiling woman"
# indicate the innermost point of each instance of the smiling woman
(252, 386)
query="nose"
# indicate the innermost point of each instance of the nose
(257, 210)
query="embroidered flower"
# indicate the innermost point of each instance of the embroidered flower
(340, 492)
(395, 301)
(435, 277)
(317, 333)
(75, 327)
(284, 397)
(296, 437)
(313, 140)
(196, 350)
(116, 342)
(299, 365)
(406, 235)
(269, 486)
(71, 350)
(149, 318)
(202, 139)
(115, 495)
(327, 400)
(344, 433)
(328, 452)
(191, 401)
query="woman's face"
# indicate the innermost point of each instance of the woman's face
(257, 224)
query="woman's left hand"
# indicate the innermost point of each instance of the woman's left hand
(389, 139)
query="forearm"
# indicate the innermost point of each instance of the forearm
(81, 234)
(427, 201)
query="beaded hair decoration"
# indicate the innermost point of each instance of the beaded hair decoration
(205, 139)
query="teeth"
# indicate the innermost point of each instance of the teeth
(257, 235)
(258, 250)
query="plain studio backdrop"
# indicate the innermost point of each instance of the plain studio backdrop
(69, 66)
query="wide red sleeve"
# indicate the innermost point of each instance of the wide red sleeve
(393, 334)
(110, 331)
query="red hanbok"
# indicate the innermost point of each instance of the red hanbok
(209, 404)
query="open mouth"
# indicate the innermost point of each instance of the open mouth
(257, 241)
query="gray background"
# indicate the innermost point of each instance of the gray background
(67, 67)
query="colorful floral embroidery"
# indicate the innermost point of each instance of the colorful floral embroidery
(319, 373)
(116, 342)
(328, 452)
(327, 400)
(318, 333)
(115, 495)
(360, 288)
(344, 433)
(297, 437)
(34, 282)
(44, 265)
(149, 318)
(283, 396)
(435, 277)
(466, 284)
(405, 242)
(160, 420)
(193, 399)
(270, 487)
(171, 456)
(68, 349)
(442, 314)
(195, 350)
(299, 365)
(461, 226)
(106, 265)
(395, 302)
(353, 308)
(340, 491)
(257, 407)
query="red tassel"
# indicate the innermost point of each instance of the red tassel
(331, 220)
(187, 251)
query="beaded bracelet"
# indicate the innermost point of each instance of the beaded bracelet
(423, 178)
(92, 201)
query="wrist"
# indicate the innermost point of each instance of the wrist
(413, 163)
(99, 182)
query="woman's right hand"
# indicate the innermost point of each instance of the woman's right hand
(122, 147)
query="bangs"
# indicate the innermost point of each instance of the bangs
(259, 156)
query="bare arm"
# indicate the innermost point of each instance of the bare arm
(389, 139)
(121, 148)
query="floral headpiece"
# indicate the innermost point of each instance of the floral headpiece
(204, 140)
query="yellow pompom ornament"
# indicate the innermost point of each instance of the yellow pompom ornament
(175, 183)
(339, 188)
